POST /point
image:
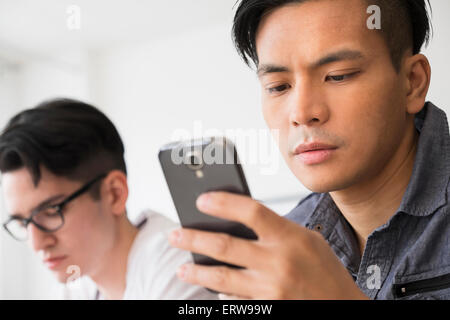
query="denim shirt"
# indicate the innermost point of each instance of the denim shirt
(409, 256)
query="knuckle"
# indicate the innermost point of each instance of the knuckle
(286, 269)
(193, 239)
(306, 242)
(219, 276)
(311, 241)
(192, 274)
(255, 213)
(219, 199)
(222, 244)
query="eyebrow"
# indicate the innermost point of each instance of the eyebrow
(47, 202)
(338, 56)
(270, 68)
(329, 58)
(41, 205)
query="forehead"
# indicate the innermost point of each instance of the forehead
(21, 195)
(313, 28)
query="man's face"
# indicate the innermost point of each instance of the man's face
(327, 78)
(86, 234)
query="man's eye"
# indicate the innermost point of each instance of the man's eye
(278, 89)
(20, 222)
(340, 78)
(49, 212)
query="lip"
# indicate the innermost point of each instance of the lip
(314, 153)
(54, 262)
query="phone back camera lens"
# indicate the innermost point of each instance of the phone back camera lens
(194, 162)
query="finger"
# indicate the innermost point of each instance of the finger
(234, 282)
(220, 246)
(243, 209)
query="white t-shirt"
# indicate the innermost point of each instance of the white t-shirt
(151, 268)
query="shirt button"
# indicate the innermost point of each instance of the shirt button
(318, 227)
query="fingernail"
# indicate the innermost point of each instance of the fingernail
(175, 236)
(204, 201)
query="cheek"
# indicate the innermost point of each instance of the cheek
(268, 114)
(373, 125)
(370, 109)
(84, 234)
(379, 118)
(277, 120)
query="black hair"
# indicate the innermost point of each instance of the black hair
(69, 138)
(406, 25)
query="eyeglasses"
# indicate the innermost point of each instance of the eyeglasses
(47, 219)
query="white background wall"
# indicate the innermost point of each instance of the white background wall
(152, 68)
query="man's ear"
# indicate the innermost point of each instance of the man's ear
(418, 77)
(114, 192)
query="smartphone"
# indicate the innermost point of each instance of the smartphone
(194, 167)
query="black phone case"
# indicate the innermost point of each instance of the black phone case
(185, 187)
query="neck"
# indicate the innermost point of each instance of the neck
(370, 204)
(110, 278)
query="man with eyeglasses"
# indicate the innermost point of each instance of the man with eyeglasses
(65, 187)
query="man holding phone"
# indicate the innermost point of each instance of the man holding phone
(349, 104)
(65, 186)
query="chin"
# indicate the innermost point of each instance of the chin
(328, 184)
(60, 276)
(317, 188)
(67, 273)
(322, 181)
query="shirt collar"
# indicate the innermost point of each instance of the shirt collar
(427, 189)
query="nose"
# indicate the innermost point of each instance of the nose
(307, 105)
(38, 239)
